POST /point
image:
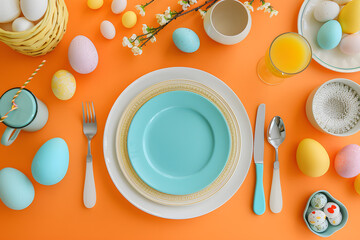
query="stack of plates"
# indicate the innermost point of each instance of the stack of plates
(178, 143)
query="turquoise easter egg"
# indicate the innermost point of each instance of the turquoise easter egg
(186, 40)
(16, 190)
(329, 35)
(51, 162)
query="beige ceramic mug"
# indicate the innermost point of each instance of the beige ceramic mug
(227, 22)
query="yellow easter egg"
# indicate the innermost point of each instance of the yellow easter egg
(349, 17)
(95, 4)
(63, 85)
(129, 19)
(357, 184)
(312, 158)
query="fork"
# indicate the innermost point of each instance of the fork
(89, 129)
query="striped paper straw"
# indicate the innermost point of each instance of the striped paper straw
(14, 106)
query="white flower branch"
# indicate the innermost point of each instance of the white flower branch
(141, 8)
(136, 43)
(266, 6)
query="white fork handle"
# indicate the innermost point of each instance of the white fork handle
(275, 194)
(89, 187)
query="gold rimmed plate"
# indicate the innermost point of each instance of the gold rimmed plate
(122, 134)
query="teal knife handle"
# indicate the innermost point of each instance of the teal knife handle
(259, 196)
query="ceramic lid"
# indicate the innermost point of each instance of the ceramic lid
(27, 108)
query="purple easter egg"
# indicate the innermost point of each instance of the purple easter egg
(82, 55)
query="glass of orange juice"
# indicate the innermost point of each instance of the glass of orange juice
(289, 54)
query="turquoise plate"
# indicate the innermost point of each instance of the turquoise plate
(178, 142)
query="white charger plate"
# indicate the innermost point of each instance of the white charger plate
(177, 212)
(332, 59)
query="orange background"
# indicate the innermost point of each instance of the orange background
(58, 212)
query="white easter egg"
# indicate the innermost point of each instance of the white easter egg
(326, 10)
(9, 10)
(316, 217)
(118, 6)
(336, 220)
(318, 201)
(320, 227)
(331, 210)
(21, 24)
(33, 10)
(107, 29)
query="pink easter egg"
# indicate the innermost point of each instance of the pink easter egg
(347, 161)
(350, 44)
(82, 55)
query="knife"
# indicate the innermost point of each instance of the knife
(259, 196)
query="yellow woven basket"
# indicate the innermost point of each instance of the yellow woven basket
(44, 36)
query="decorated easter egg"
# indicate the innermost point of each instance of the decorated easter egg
(320, 227)
(51, 162)
(347, 161)
(349, 17)
(186, 40)
(63, 85)
(329, 35)
(350, 44)
(309, 210)
(312, 158)
(107, 29)
(336, 220)
(357, 184)
(33, 10)
(118, 6)
(9, 10)
(82, 55)
(95, 4)
(331, 210)
(129, 19)
(326, 10)
(316, 217)
(16, 190)
(318, 201)
(21, 24)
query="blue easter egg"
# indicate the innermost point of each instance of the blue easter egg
(329, 35)
(16, 190)
(51, 162)
(186, 40)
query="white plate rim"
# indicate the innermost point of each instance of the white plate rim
(316, 58)
(177, 212)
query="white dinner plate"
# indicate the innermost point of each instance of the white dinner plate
(332, 59)
(177, 212)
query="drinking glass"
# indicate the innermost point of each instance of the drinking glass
(289, 54)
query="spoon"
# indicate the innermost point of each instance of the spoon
(276, 135)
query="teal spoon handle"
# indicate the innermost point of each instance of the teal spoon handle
(259, 196)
